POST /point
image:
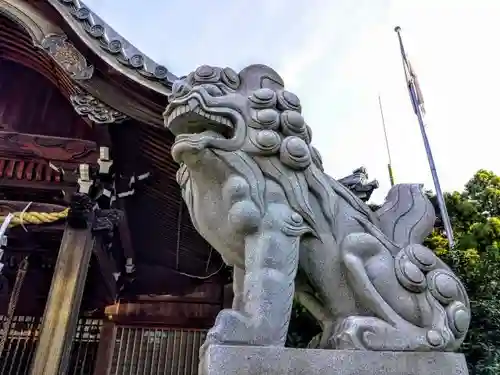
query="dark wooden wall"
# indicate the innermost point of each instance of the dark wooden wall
(171, 258)
(30, 103)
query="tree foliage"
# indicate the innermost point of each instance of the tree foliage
(303, 327)
(475, 217)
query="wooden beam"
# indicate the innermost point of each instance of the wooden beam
(164, 314)
(63, 304)
(56, 228)
(54, 149)
(124, 232)
(125, 157)
(39, 185)
(107, 267)
(7, 206)
(102, 133)
(173, 299)
(166, 322)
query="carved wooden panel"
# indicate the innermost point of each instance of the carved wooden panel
(44, 162)
(31, 171)
(54, 149)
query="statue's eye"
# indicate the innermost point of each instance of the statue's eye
(213, 90)
(180, 88)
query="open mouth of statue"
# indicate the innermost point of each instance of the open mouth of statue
(187, 120)
(197, 126)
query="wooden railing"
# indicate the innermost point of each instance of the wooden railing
(19, 350)
(156, 351)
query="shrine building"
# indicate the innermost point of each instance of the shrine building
(134, 288)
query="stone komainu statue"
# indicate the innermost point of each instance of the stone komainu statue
(256, 191)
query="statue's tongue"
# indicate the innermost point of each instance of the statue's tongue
(212, 134)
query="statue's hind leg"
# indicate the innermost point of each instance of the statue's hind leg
(408, 313)
(306, 297)
(271, 261)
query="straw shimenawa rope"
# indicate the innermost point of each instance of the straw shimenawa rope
(35, 218)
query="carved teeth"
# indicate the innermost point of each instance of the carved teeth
(177, 112)
(193, 106)
(212, 117)
(193, 103)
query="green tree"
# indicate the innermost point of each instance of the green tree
(475, 216)
(303, 327)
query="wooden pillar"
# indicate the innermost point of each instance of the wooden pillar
(63, 304)
(105, 349)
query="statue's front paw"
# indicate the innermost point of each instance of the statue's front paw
(231, 327)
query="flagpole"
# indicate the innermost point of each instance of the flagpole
(389, 166)
(416, 98)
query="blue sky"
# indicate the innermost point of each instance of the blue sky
(337, 56)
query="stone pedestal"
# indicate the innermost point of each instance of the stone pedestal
(247, 360)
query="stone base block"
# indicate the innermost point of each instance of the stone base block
(251, 360)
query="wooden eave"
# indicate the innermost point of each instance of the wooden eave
(136, 90)
(166, 244)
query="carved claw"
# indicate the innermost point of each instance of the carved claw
(369, 333)
(324, 339)
(347, 336)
